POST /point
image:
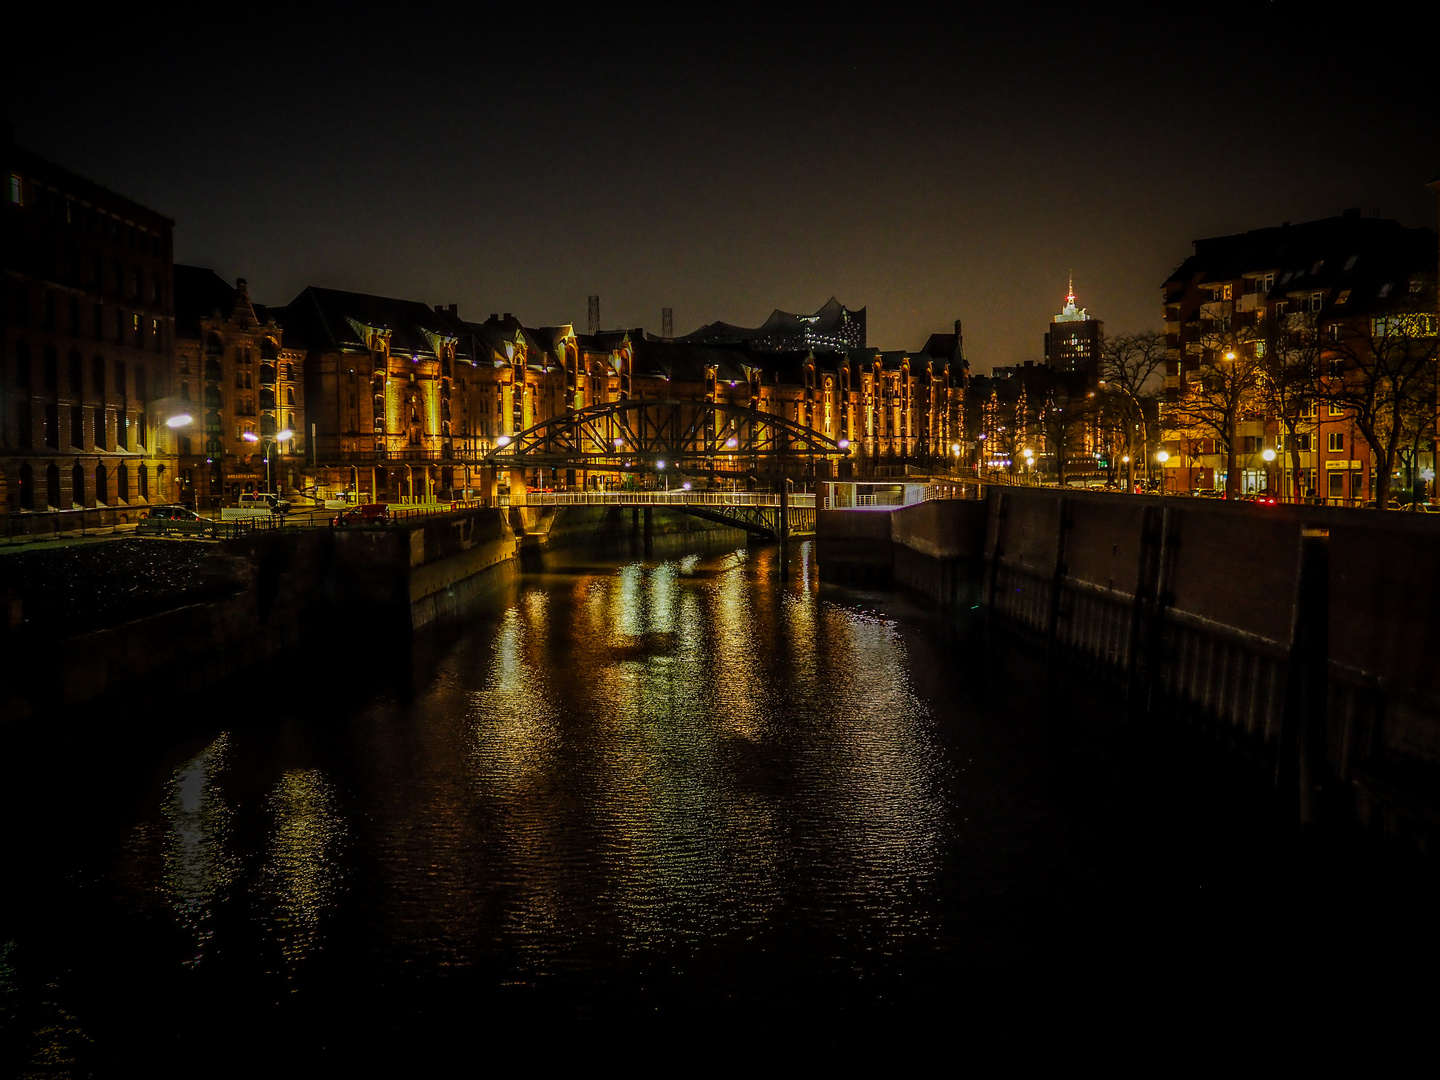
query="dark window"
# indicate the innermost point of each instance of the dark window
(102, 485)
(144, 475)
(97, 376)
(22, 364)
(98, 314)
(22, 305)
(122, 430)
(120, 379)
(52, 425)
(97, 274)
(77, 485)
(77, 374)
(27, 488)
(140, 394)
(52, 485)
(101, 442)
(47, 302)
(52, 371)
(119, 327)
(77, 426)
(25, 434)
(75, 316)
(122, 483)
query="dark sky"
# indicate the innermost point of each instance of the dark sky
(730, 161)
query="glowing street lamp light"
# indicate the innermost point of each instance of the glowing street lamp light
(180, 420)
(1162, 456)
(502, 441)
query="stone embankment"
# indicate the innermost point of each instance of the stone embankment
(152, 621)
(1306, 637)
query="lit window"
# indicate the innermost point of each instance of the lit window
(1344, 295)
(1337, 442)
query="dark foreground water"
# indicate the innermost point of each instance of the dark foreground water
(676, 798)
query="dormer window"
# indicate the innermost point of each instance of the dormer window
(1384, 290)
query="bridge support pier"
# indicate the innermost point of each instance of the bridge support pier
(517, 487)
(487, 485)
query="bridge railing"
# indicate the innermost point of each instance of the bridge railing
(798, 501)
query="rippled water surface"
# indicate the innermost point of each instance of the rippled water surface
(675, 790)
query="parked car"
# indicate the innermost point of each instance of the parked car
(263, 500)
(1421, 508)
(367, 514)
(170, 513)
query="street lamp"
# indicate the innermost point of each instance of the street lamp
(1269, 455)
(180, 420)
(1162, 456)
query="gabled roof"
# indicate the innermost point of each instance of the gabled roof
(200, 293)
(330, 319)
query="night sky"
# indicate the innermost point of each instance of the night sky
(730, 162)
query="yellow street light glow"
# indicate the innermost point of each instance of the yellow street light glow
(503, 440)
(250, 436)
(284, 434)
(182, 420)
(1268, 454)
(1163, 456)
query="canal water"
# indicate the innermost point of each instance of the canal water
(674, 794)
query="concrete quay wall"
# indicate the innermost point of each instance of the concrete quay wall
(1307, 637)
(286, 589)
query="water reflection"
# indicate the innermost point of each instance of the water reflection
(199, 867)
(303, 871)
(705, 740)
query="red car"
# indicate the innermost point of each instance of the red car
(368, 514)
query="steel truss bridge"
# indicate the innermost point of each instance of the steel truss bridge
(759, 514)
(649, 434)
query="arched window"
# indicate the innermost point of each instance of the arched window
(102, 485)
(27, 488)
(52, 485)
(122, 483)
(290, 396)
(77, 485)
(144, 474)
(214, 346)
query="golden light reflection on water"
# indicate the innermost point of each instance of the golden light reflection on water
(668, 740)
(199, 868)
(302, 873)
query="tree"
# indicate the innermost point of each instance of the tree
(1130, 369)
(1211, 401)
(1061, 417)
(1289, 364)
(1380, 369)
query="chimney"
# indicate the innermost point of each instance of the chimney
(455, 310)
(494, 317)
(508, 316)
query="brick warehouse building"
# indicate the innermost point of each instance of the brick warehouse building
(232, 367)
(88, 337)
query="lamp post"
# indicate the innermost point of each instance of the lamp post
(270, 441)
(1162, 456)
(1269, 455)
